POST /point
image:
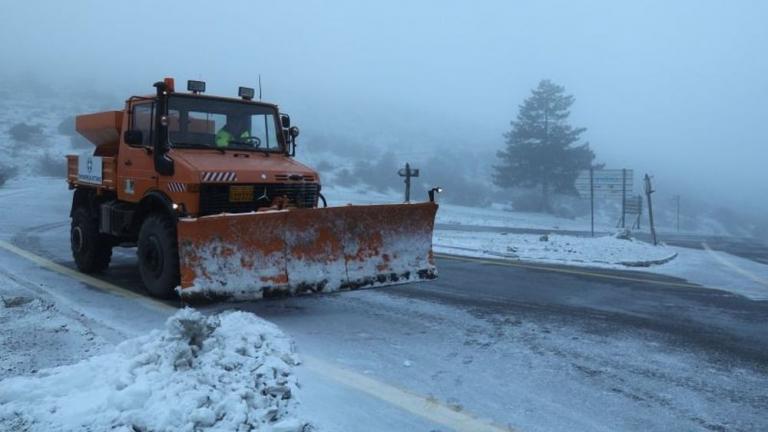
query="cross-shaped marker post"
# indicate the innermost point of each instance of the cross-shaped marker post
(407, 172)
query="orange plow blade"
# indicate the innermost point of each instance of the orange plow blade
(244, 256)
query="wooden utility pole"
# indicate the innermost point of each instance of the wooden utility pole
(592, 198)
(623, 197)
(407, 172)
(648, 191)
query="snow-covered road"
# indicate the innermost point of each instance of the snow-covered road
(529, 349)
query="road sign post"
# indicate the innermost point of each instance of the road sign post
(648, 191)
(635, 207)
(606, 183)
(407, 172)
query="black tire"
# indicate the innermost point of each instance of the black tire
(91, 250)
(158, 253)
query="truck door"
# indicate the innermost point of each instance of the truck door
(136, 173)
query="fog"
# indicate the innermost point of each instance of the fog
(675, 89)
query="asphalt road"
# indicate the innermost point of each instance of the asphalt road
(705, 320)
(531, 347)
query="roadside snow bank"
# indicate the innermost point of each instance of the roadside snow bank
(609, 251)
(35, 334)
(227, 372)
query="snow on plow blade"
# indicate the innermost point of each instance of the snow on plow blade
(243, 256)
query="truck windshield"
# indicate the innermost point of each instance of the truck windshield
(197, 122)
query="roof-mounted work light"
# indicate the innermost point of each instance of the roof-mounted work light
(196, 86)
(433, 191)
(169, 85)
(245, 93)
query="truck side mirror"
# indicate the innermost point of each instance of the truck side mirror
(133, 137)
(293, 132)
(285, 121)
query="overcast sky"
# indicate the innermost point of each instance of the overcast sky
(678, 89)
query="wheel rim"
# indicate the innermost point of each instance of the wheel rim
(77, 239)
(152, 257)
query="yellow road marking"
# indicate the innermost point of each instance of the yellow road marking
(82, 277)
(567, 271)
(733, 266)
(427, 408)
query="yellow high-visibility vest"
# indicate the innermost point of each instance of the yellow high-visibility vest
(224, 137)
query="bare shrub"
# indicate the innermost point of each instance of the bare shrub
(7, 172)
(52, 166)
(380, 175)
(23, 132)
(456, 174)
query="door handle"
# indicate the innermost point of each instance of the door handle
(128, 163)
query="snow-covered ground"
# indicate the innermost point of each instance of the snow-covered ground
(700, 266)
(705, 267)
(36, 334)
(604, 251)
(720, 270)
(228, 372)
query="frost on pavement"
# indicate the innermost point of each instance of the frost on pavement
(227, 372)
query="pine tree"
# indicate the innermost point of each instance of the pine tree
(542, 149)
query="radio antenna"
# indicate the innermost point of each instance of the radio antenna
(259, 86)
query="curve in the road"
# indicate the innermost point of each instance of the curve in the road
(733, 266)
(426, 407)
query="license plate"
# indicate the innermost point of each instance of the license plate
(240, 193)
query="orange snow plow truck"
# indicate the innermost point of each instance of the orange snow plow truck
(207, 189)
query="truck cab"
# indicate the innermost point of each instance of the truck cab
(181, 154)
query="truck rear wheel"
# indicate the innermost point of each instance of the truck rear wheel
(91, 250)
(158, 253)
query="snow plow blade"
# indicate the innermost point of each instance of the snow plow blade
(244, 256)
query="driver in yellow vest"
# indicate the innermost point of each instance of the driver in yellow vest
(236, 129)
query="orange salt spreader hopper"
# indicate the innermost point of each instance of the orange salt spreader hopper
(208, 191)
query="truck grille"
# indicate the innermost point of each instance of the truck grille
(214, 198)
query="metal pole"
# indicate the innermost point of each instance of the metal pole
(592, 198)
(407, 182)
(623, 197)
(677, 198)
(648, 192)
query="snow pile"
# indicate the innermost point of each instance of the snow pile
(608, 251)
(230, 372)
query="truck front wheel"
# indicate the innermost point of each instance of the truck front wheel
(159, 255)
(91, 250)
